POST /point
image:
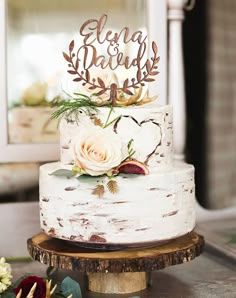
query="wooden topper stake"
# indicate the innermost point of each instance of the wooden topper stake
(86, 58)
(113, 93)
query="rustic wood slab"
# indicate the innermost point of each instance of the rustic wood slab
(122, 271)
(63, 254)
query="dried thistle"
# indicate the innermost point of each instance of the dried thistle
(124, 101)
(99, 191)
(31, 292)
(19, 294)
(146, 99)
(136, 99)
(112, 186)
(49, 291)
(97, 121)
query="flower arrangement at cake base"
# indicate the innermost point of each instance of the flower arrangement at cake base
(31, 286)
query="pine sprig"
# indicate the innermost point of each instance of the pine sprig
(97, 121)
(74, 106)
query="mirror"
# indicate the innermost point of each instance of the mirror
(32, 38)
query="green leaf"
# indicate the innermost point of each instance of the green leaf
(108, 117)
(108, 122)
(8, 295)
(62, 173)
(88, 178)
(58, 292)
(83, 95)
(111, 122)
(78, 170)
(59, 295)
(70, 286)
(130, 143)
(131, 151)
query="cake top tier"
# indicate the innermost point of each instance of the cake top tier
(110, 139)
(112, 125)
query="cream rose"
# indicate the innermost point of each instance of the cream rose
(97, 150)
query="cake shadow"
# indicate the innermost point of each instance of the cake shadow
(106, 247)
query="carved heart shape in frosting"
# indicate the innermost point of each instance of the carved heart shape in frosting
(146, 135)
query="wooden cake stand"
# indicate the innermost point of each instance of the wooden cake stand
(117, 272)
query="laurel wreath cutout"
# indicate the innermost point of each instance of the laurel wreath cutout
(84, 76)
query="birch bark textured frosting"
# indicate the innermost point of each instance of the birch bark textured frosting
(147, 208)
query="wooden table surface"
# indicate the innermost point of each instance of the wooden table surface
(209, 275)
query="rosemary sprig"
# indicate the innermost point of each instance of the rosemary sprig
(107, 123)
(74, 106)
(111, 122)
(108, 117)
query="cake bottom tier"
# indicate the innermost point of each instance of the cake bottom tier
(151, 208)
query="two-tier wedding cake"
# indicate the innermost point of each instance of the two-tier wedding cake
(116, 182)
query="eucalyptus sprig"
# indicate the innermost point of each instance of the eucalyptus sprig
(73, 106)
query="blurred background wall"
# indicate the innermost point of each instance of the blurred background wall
(210, 64)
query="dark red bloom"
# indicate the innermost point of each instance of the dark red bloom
(28, 283)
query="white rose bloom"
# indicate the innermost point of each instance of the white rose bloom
(5, 275)
(97, 150)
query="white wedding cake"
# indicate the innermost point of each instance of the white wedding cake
(116, 182)
(122, 199)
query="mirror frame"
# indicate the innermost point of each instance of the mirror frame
(40, 152)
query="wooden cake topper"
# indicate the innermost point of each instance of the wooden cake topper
(82, 60)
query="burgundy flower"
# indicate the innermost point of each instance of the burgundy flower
(28, 283)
